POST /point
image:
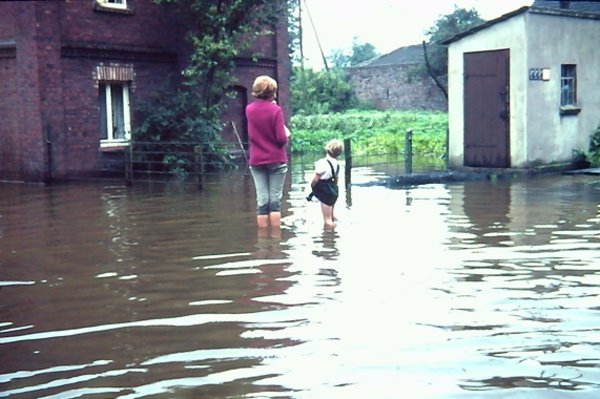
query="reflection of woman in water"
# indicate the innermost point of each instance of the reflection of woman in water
(268, 138)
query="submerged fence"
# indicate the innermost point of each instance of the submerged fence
(197, 163)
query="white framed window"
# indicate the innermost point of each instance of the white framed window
(118, 4)
(568, 85)
(115, 114)
(568, 90)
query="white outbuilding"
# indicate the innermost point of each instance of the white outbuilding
(524, 89)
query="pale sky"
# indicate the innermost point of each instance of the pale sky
(386, 24)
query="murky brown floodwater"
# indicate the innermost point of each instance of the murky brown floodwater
(471, 290)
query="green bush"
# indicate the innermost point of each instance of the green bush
(372, 132)
(171, 125)
(594, 153)
(321, 92)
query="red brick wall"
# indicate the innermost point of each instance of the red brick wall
(146, 24)
(48, 88)
(10, 148)
(25, 159)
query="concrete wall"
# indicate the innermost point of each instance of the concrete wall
(389, 87)
(553, 41)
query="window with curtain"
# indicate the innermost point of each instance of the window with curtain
(114, 113)
(568, 85)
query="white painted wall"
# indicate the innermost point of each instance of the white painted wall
(538, 133)
(554, 41)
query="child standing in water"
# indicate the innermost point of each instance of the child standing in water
(324, 183)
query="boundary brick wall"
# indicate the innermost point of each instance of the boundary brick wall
(388, 88)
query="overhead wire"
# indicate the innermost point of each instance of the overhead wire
(316, 36)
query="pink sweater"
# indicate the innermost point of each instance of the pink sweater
(266, 133)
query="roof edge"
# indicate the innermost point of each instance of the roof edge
(532, 9)
(486, 25)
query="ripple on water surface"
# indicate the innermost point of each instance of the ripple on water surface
(467, 290)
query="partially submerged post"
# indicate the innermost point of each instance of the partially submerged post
(348, 162)
(129, 164)
(408, 153)
(199, 165)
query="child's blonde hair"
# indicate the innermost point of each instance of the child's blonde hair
(334, 148)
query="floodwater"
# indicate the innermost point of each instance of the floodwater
(468, 290)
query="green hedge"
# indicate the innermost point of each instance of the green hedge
(372, 132)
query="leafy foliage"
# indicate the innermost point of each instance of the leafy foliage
(182, 115)
(360, 52)
(221, 31)
(320, 92)
(581, 159)
(374, 132)
(444, 28)
(190, 112)
(172, 124)
(594, 151)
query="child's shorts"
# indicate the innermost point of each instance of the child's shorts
(326, 191)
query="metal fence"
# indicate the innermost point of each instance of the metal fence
(197, 163)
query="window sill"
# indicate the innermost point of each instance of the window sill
(108, 7)
(569, 110)
(107, 146)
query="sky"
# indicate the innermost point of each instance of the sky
(386, 24)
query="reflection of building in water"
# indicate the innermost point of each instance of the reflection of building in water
(524, 212)
(487, 206)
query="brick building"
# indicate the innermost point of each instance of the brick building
(386, 82)
(70, 70)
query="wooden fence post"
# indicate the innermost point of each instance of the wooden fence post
(348, 162)
(199, 165)
(408, 153)
(129, 164)
(447, 155)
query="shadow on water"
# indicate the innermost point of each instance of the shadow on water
(435, 291)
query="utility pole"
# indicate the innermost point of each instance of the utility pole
(316, 36)
(300, 34)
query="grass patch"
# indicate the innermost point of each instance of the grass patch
(372, 132)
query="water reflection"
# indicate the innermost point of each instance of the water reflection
(325, 245)
(435, 291)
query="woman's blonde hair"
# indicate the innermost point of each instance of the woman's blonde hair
(334, 148)
(264, 87)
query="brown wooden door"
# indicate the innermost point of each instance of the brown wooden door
(486, 109)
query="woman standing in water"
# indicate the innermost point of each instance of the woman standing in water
(268, 138)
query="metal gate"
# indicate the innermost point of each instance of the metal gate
(486, 109)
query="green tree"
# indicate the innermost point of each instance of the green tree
(444, 28)
(221, 31)
(359, 52)
(294, 30)
(190, 110)
(320, 92)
